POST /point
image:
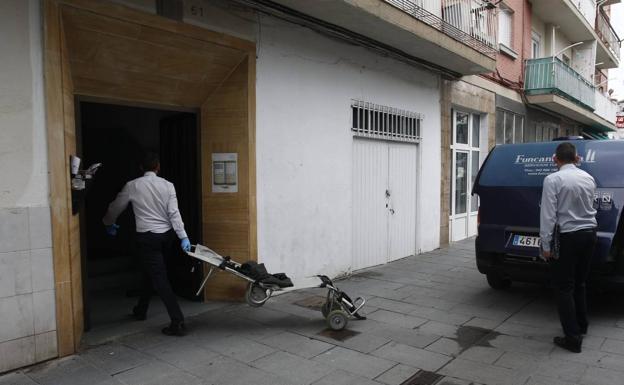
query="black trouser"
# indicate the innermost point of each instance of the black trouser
(152, 248)
(570, 272)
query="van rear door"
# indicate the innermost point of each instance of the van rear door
(509, 186)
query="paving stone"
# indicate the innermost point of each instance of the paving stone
(483, 323)
(17, 378)
(414, 338)
(437, 303)
(145, 340)
(587, 356)
(224, 370)
(606, 331)
(445, 346)
(294, 343)
(357, 363)
(433, 314)
(438, 328)
(397, 374)
(114, 358)
(181, 354)
(542, 365)
(600, 376)
(591, 342)
(398, 319)
(408, 355)
(454, 381)
(482, 354)
(364, 342)
(340, 377)
(240, 348)
(68, 371)
(612, 361)
(517, 344)
(294, 368)
(148, 373)
(481, 312)
(612, 346)
(395, 306)
(541, 380)
(482, 373)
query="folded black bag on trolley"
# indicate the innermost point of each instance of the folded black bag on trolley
(258, 272)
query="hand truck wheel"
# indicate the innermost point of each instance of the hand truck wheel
(255, 296)
(337, 319)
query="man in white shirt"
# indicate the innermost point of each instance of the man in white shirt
(567, 201)
(157, 218)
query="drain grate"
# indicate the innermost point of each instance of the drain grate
(315, 302)
(338, 335)
(423, 377)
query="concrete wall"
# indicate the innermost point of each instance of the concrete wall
(27, 302)
(305, 84)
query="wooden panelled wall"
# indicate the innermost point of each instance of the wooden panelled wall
(227, 115)
(228, 217)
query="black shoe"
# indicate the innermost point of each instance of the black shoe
(139, 315)
(569, 343)
(583, 330)
(175, 329)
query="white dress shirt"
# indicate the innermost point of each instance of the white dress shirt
(567, 200)
(154, 203)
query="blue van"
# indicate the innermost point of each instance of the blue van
(509, 186)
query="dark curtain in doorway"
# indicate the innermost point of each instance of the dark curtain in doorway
(179, 160)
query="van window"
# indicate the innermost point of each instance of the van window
(526, 165)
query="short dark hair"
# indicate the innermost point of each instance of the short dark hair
(150, 161)
(566, 152)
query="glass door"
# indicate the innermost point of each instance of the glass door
(466, 159)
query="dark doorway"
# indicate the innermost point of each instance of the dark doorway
(118, 137)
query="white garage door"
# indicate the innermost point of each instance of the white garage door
(384, 201)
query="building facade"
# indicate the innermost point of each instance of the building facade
(309, 138)
(551, 80)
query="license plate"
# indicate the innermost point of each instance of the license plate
(526, 241)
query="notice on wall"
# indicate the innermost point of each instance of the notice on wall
(225, 172)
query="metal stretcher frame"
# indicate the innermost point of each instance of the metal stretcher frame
(216, 261)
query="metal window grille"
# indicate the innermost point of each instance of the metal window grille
(382, 122)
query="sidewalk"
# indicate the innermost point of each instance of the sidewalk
(431, 318)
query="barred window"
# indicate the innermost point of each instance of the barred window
(382, 122)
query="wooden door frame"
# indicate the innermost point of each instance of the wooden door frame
(60, 125)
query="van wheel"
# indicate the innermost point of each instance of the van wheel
(497, 282)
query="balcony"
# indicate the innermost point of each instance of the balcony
(575, 18)
(608, 50)
(457, 37)
(553, 85)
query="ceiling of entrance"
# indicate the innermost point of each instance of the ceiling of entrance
(112, 58)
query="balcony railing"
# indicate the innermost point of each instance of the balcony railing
(472, 22)
(552, 76)
(607, 34)
(605, 107)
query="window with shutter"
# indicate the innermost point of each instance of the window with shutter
(505, 26)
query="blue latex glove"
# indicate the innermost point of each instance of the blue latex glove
(186, 244)
(111, 229)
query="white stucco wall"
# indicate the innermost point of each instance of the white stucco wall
(305, 84)
(27, 301)
(23, 147)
